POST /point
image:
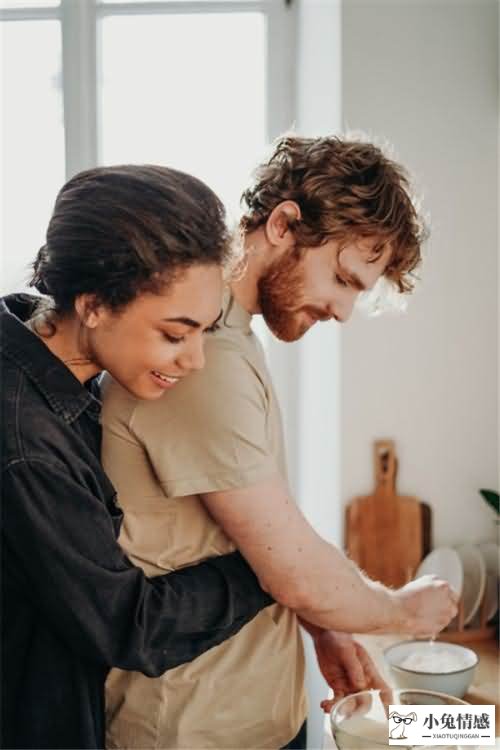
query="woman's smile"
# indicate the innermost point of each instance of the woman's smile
(164, 381)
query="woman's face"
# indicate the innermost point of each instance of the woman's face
(158, 338)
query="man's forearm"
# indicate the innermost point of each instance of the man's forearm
(340, 597)
(314, 578)
(296, 565)
(355, 620)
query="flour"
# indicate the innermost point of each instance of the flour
(436, 661)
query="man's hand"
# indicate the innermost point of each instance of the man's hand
(345, 665)
(428, 604)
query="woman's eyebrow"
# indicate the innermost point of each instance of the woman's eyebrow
(185, 321)
(190, 322)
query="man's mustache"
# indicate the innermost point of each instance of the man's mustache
(318, 313)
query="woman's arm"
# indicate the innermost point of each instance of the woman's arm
(61, 540)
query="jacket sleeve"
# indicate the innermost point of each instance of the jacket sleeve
(60, 540)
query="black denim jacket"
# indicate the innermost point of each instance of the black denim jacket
(73, 605)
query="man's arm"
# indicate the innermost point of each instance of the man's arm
(302, 571)
(61, 540)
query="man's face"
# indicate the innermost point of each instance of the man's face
(158, 338)
(318, 284)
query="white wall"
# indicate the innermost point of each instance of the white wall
(307, 373)
(424, 75)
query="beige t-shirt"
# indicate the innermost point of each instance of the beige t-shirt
(218, 429)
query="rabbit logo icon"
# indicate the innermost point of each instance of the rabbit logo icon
(400, 721)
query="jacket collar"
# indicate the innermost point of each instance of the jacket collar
(63, 391)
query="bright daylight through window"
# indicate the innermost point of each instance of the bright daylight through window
(196, 85)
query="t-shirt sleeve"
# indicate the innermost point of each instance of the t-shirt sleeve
(210, 432)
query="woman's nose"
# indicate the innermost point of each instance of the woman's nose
(193, 357)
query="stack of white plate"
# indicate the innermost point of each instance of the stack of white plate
(473, 571)
(491, 556)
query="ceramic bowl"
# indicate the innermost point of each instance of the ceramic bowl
(430, 666)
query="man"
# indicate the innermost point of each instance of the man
(325, 219)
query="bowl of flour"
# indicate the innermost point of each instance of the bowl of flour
(444, 667)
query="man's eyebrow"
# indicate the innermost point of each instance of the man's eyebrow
(355, 281)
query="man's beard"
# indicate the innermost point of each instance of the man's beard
(280, 296)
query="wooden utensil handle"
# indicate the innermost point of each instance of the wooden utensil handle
(385, 462)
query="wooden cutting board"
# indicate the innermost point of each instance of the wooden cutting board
(386, 534)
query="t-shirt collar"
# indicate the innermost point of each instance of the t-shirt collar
(234, 315)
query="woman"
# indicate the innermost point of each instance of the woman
(129, 250)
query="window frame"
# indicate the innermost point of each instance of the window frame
(80, 61)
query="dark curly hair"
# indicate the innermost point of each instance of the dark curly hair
(347, 190)
(118, 231)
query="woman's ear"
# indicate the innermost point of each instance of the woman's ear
(280, 223)
(87, 310)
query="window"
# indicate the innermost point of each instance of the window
(32, 138)
(200, 85)
(202, 101)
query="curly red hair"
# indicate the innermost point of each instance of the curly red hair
(347, 190)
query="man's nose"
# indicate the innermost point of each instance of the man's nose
(341, 310)
(193, 357)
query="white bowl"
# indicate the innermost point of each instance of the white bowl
(429, 666)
